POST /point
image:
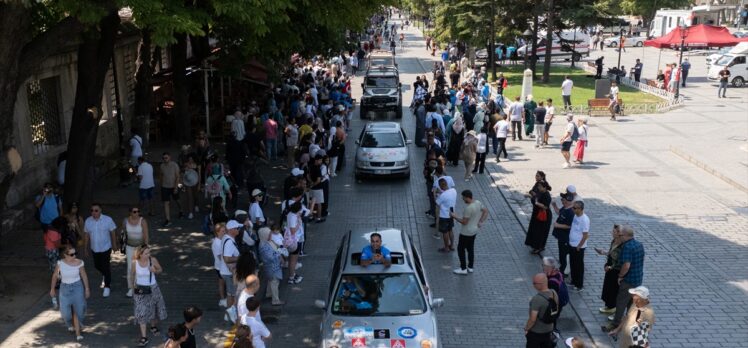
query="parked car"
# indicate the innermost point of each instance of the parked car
(382, 91)
(636, 41)
(740, 34)
(382, 151)
(715, 56)
(561, 46)
(378, 306)
(736, 61)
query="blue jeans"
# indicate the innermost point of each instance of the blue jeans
(495, 143)
(271, 146)
(722, 89)
(72, 301)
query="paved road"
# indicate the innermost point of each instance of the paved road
(692, 223)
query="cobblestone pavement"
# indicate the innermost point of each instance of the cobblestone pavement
(693, 226)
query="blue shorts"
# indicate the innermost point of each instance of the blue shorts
(566, 146)
(145, 194)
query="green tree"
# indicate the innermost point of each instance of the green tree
(648, 8)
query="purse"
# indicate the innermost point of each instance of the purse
(542, 215)
(123, 241)
(144, 289)
(640, 332)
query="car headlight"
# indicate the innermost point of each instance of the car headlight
(426, 344)
(363, 163)
(401, 163)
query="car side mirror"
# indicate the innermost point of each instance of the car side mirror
(400, 84)
(437, 303)
(357, 142)
(408, 142)
(320, 304)
(362, 85)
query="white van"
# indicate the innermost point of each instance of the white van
(735, 60)
(562, 46)
(666, 20)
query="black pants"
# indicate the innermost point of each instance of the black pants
(576, 263)
(466, 243)
(567, 101)
(538, 340)
(516, 130)
(326, 194)
(637, 77)
(502, 148)
(480, 162)
(102, 264)
(563, 252)
(684, 76)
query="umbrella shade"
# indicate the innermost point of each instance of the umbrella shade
(701, 35)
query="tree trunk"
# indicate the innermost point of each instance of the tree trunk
(549, 43)
(94, 56)
(181, 111)
(143, 90)
(534, 55)
(492, 44)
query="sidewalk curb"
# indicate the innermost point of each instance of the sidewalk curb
(682, 154)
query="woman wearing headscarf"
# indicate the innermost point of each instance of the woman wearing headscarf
(479, 119)
(270, 257)
(540, 221)
(468, 151)
(455, 140)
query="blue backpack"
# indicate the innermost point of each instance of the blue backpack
(557, 283)
(575, 134)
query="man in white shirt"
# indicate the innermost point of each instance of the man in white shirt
(260, 332)
(578, 235)
(146, 185)
(446, 202)
(136, 147)
(516, 115)
(230, 254)
(501, 129)
(237, 129)
(566, 87)
(100, 240)
(252, 285)
(566, 140)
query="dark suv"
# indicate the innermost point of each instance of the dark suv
(382, 91)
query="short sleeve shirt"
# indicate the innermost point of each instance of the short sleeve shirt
(215, 247)
(473, 213)
(49, 208)
(136, 144)
(580, 225)
(539, 115)
(228, 249)
(445, 201)
(633, 252)
(258, 329)
(566, 87)
(539, 303)
(565, 217)
(145, 171)
(99, 232)
(255, 212)
(169, 174)
(368, 253)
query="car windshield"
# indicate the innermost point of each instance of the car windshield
(381, 61)
(389, 82)
(382, 139)
(378, 295)
(724, 60)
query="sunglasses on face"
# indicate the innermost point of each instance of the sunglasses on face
(73, 254)
(136, 212)
(95, 210)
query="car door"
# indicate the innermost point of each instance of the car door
(336, 267)
(420, 271)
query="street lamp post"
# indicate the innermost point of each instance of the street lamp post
(620, 46)
(528, 35)
(683, 35)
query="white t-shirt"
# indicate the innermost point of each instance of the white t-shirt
(99, 232)
(501, 128)
(516, 111)
(450, 182)
(293, 220)
(482, 139)
(566, 87)
(569, 130)
(579, 225)
(582, 132)
(614, 92)
(228, 249)
(259, 330)
(446, 200)
(549, 112)
(241, 305)
(255, 212)
(145, 172)
(215, 246)
(136, 144)
(237, 126)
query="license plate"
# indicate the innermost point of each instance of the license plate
(381, 172)
(380, 105)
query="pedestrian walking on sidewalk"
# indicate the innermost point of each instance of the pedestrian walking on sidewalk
(445, 202)
(74, 289)
(100, 240)
(48, 205)
(229, 258)
(472, 220)
(146, 183)
(582, 130)
(468, 152)
(529, 107)
(216, 245)
(481, 152)
(612, 269)
(568, 139)
(191, 179)
(724, 78)
(549, 114)
(170, 182)
(543, 311)
(502, 131)
(149, 307)
(578, 235)
(192, 317)
(540, 221)
(135, 228)
(539, 118)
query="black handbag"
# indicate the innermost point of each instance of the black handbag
(144, 289)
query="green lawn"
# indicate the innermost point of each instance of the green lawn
(584, 87)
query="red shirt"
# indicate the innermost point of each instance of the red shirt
(52, 239)
(271, 129)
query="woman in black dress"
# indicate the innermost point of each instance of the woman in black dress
(455, 142)
(612, 269)
(540, 222)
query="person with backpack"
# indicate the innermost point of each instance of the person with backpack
(570, 134)
(217, 185)
(48, 205)
(556, 283)
(544, 309)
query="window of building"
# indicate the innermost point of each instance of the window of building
(45, 118)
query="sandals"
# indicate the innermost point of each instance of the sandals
(154, 330)
(143, 342)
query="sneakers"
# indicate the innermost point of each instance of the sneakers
(103, 284)
(232, 314)
(190, 216)
(223, 303)
(470, 270)
(79, 338)
(295, 280)
(143, 342)
(566, 165)
(129, 293)
(167, 223)
(437, 236)
(71, 329)
(298, 265)
(578, 289)
(460, 271)
(607, 328)
(611, 317)
(106, 293)
(55, 305)
(607, 310)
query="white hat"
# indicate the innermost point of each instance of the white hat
(297, 172)
(640, 291)
(571, 189)
(256, 192)
(233, 224)
(240, 212)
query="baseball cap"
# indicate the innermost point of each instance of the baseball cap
(239, 212)
(297, 172)
(573, 342)
(232, 224)
(640, 291)
(571, 189)
(256, 192)
(567, 196)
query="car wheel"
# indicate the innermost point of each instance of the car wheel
(576, 57)
(613, 44)
(640, 44)
(738, 82)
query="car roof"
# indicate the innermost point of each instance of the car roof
(393, 239)
(381, 52)
(382, 70)
(383, 126)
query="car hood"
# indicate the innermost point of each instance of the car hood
(380, 332)
(388, 154)
(381, 91)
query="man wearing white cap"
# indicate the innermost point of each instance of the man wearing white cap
(635, 328)
(567, 139)
(230, 254)
(571, 189)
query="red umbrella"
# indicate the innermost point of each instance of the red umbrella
(701, 35)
